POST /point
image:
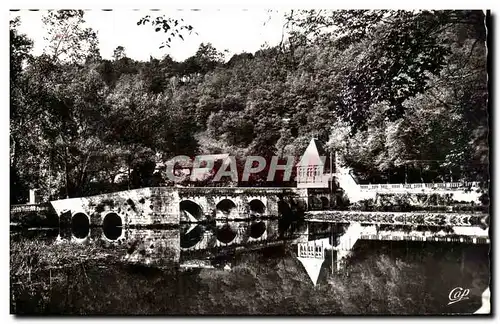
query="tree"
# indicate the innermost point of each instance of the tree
(20, 47)
(77, 93)
(393, 53)
(66, 96)
(170, 26)
(119, 53)
(208, 57)
(68, 39)
(82, 125)
(20, 118)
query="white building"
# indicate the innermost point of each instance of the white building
(314, 167)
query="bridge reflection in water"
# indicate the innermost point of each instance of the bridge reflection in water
(321, 240)
(188, 245)
(315, 246)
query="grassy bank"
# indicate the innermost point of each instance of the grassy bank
(31, 256)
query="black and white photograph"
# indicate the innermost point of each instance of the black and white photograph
(259, 161)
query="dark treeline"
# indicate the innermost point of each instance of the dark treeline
(400, 95)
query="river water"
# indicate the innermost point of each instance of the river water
(234, 268)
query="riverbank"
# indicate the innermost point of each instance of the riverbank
(30, 256)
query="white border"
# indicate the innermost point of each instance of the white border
(127, 4)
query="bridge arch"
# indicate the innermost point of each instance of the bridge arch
(190, 211)
(257, 229)
(112, 226)
(302, 204)
(284, 209)
(225, 234)
(315, 203)
(257, 207)
(80, 225)
(191, 234)
(226, 208)
(325, 202)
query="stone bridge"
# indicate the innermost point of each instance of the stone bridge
(172, 206)
(194, 205)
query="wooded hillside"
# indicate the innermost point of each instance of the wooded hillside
(399, 94)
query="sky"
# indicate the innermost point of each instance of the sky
(236, 30)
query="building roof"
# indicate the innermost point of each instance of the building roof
(189, 163)
(313, 155)
(184, 165)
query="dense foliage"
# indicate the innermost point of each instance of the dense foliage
(401, 95)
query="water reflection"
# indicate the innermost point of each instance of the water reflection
(257, 229)
(226, 233)
(49, 235)
(266, 276)
(190, 244)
